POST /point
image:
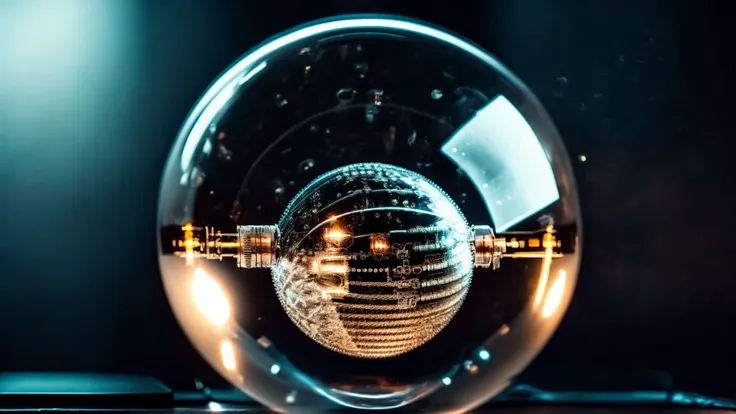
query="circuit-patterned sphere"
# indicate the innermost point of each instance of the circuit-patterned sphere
(374, 260)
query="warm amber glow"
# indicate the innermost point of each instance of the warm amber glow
(228, 355)
(334, 292)
(334, 268)
(379, 244)
(543, 276)
(210, 299)
(554, 296)
(189, 243)
(336, 235)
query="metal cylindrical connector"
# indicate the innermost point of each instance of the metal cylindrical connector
(258, 246)
(483, 246)
(487, 249)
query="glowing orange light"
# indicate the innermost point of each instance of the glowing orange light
(379, 244)
(544, 275)
(334, 268)
(189, 243)
(336, 235)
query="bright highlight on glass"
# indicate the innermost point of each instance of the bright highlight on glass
(554, 296)
(447, 380)
(502, 155)
(209, 298)
(275, 369)
(484, 355)
(228, 355)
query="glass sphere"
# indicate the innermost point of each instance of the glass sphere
(329, 200)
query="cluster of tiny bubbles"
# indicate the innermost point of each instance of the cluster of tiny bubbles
(280, 100)
(305, 165)
(223, 152)
(362, 69)
(470, 367)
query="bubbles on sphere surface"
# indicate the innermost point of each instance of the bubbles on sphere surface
(368, 212)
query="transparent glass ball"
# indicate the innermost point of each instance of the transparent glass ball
(368, 212)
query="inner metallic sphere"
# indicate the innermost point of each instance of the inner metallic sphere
(375, 260)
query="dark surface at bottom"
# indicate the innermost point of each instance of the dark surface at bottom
(78, 390)
(133, 393)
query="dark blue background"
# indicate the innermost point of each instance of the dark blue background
(93, 92)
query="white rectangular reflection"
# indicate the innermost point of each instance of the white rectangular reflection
(502, 156)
